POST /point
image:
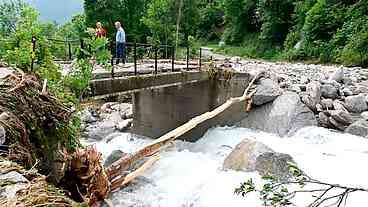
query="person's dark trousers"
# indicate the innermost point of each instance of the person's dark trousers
(120, 52)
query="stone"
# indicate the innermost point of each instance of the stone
(87, 116)
(338, 75)
(319, 108)
(267, 91)
(106, 107)
(342, 116)
(337, 125)
(124, 125)
(13, 177)
(364, 115)
(358, 128)
(113, 157)
(243, 157)
(323, 120)
(347, 92)
(356, 104)
(338, 105)
(327, 103)
(329, 91)
(2, 135)
(275, 164)
(314, 95)
(284, 116)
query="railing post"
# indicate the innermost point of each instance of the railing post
(33, 52)
(135, 58)
(156, 50)
(200, 58)
(173, 59)
(82, 47)
(70, 50)
(188, 57)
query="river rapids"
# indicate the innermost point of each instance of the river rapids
(191, 175)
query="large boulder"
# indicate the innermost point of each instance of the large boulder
(244, 156)
(267, 91)
(356, 103)
(329, 91)
(275, 164)
(340, 119)
(358, 128)
(284, 116)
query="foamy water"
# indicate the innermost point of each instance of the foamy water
(191, 175)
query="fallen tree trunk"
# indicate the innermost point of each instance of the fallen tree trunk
(124, 163)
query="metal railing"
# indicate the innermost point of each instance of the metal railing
(134, 52)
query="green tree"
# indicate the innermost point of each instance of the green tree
(10, 12)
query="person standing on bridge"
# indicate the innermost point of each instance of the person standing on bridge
(120, 43)
(100, 31)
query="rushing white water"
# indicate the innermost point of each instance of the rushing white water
(191, 175)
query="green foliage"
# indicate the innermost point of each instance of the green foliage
(10, 12)
(211, 21)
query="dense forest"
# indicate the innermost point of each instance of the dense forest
(321, 30)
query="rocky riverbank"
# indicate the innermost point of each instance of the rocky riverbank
(291, 96)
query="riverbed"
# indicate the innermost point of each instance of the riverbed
(191, 174)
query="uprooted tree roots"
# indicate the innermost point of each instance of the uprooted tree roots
(40, 133)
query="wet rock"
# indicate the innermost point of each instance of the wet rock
(338, 75)
(113, 157)
(275, 164)
(358, 128)
(337, 125)
(356, 103)
(323, 120)
(107, 107)
(2, 135)
(8, 192)
(243, 157)
(329, 91)
(124, 125)
(267, 91)
(327, 103)
(284, 116)
(342, 116)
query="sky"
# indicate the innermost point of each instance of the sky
(57, 10)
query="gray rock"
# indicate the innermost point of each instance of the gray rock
(275, 164)
(358, 128)
(329, 91)
(327, 103)
(243, 157)
(284, 116)
(323, 120)
(347, 92)
(338, 75)
(337, 125)
(364, 115)
(124, 125)
(342, 117)
(347, 81)
(2, 135)
(267, 91)
(13, 177)
(314, 95)
(113, 157)
(87, 116)
(338, 105)
(356, 103)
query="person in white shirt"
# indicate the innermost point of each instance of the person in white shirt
(120, 43)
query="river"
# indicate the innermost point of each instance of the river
(191, 175)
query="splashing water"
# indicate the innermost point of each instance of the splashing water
(191, 175)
